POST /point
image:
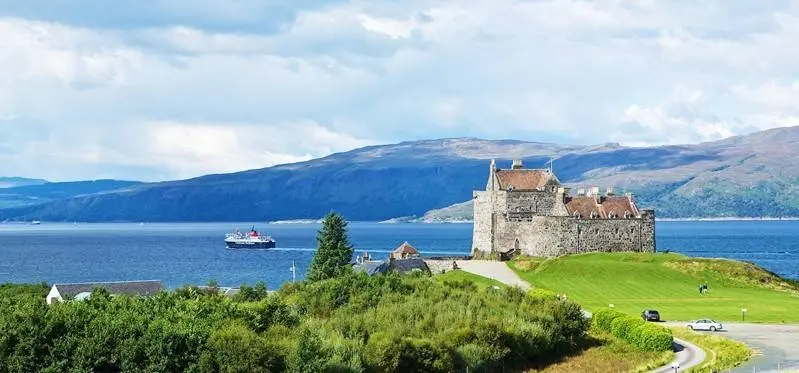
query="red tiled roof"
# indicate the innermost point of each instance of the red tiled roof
(608, 207)
(584, 205)
(618, 206)
(523, 179)
(406, 248)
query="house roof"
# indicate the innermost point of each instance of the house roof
(371, 267)
(142, 288)
(605, 207)
(408, 265)
(523, 179)
(406, 248)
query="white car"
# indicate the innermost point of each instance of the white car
(704, 324)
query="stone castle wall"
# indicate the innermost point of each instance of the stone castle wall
(496, 230)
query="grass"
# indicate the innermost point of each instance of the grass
(669, 283)
(722, 353)
(460, 275)
(604, 353)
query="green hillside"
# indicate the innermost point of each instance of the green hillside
(666, 282)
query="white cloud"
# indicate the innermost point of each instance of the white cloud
(334, 75)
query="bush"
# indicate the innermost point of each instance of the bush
(641, 334)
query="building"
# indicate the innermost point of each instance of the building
(528, 211)
(405, 251)
(404, 259)
(80, 291)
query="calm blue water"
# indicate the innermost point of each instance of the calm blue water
(180, 254)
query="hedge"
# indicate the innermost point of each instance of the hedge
(641, 334)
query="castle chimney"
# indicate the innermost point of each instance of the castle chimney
(609, 192)
(517, 164)
(580, 192)
(595, 191)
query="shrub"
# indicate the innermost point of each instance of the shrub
(641, 334)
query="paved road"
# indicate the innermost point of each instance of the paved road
(494, 270)
(687, 354)
(776, 346)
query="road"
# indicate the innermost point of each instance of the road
(687, 355)
(776, 346)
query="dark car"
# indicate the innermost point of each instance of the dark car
(650, 315)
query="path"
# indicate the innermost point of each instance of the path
(687, 355)
(494, 270)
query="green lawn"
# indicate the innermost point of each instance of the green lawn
(668, 283)
(459, 275)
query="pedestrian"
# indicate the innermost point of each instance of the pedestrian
(700, 289)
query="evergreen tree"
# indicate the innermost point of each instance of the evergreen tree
(334, 252)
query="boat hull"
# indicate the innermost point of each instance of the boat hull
(250, 245)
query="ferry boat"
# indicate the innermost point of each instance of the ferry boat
(250, 240)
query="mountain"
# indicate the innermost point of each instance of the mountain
(753, 175)
(36, 194)
(10, 182)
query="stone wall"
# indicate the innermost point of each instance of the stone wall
(439, 266)
(554, 236)
(531, 203)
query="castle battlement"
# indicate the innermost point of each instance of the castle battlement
(529, 211)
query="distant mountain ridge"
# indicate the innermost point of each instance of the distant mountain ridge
(747, 176)
(40, 193)
(11, 182)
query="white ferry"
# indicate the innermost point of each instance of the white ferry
(250, 240)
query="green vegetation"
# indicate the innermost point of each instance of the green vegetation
(601, 352)
(722, 353)
(352, 323)
(333, 252)
(669, 283)
(639, 333)
(458, 276)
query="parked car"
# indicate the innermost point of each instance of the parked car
(650, 315)
(704, 324)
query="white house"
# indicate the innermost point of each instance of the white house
(81, 291)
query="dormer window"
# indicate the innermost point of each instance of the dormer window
(576, 215)
(627, 214)
(593, 215)
(612, 215)
(510, 187)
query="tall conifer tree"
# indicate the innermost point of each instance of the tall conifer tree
(334, 252)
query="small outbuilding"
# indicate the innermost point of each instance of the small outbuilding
(405, 251)
(81, 291)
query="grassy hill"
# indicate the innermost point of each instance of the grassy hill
(666, 282)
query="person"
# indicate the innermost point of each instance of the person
(700, 289)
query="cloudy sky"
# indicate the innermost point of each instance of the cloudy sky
(164, 89)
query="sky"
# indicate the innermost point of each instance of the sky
(167, 89)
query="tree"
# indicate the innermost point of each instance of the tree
(334, 252)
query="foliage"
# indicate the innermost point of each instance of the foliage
(641, 334)
(334, 252)
(722, 353)
(350, 323)
(462, 279)
(601, 352)
(668, 283)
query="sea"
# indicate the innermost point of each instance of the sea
(194, 254)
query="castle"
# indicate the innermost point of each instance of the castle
(529, 212)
